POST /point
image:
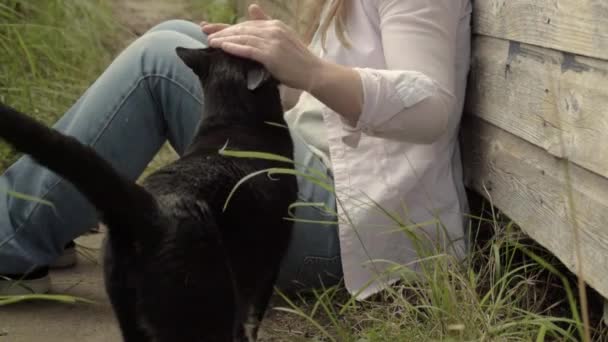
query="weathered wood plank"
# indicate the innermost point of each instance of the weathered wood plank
(576, 26)
(556, 101)
(531, 188)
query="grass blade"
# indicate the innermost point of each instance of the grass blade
(8, 300)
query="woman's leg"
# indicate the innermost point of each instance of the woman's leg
(181, 26)
(313, 258)
(144, 97)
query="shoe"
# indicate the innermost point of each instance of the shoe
(67, 258)
(35, 282)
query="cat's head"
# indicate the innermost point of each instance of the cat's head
(231, 80)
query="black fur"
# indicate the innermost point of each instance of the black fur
(178, 268)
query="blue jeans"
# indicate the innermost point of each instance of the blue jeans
(146, 96)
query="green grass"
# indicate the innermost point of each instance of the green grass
(50, 51)
(508, 288)
(215, 11)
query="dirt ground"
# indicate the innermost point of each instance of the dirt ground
(53, 322)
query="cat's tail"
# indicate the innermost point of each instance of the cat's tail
(121, 202)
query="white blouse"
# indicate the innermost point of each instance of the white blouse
(403, 154)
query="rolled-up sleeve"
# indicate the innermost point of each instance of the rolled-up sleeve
(413, 98)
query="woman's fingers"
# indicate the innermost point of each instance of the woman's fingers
(260, 28)
(210, 28)
(246, 46)
(230, 31)
(271, 43)
(245, 51)
(257, 13)
(248, 40)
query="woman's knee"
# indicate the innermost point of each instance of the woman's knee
(181, 26)
(156, 50)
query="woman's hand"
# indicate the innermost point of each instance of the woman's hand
(278, 48)
(271, 43)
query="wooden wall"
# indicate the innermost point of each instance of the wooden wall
(535, 132)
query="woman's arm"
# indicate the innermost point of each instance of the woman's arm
(339, 88)
(413, 99)
(289, 97)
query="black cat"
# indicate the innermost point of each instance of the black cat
(177, 267)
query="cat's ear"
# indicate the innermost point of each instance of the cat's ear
(256, 77)
(195, 59)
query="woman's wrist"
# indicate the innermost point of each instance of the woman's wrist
(289, 96)
(339, 88)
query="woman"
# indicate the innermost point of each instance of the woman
(383, 86)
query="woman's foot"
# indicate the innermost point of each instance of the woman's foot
(35, 282)
(38, 280)
(68, 258)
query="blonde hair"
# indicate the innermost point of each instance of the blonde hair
(336, 15)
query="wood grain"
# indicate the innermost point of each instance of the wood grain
(553, 100)
(575, 26)
(532, 189)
